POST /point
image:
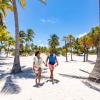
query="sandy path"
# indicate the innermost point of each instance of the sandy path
(70, 81)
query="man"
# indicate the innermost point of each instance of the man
(52, 62)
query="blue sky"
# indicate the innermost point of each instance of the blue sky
(62, 17)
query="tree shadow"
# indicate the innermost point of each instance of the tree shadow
(91, 86)
(91, 62)
(2, 74)
(5, 58)
(10, 87)
(73, 76)
(10, 63)
(26, 73)
(44, 70)
(84, 71)
(48, 79)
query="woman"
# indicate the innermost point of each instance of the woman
(37, 67)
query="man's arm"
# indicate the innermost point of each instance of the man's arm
(56, 60)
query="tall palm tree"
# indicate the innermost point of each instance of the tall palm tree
(29, 38)
(22, 38)
(70, 39)
(30, 35)
(77, 47)
(65, 39)
(86, 42)
(53, 41)
(16, 65)
(95, 74)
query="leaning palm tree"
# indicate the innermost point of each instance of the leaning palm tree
(95, 74)
(70, 39)
(16, 65)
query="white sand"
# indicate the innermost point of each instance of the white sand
(70, 77)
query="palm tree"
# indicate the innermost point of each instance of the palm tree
(86, 42)
(3, 35)
(16, 66)
(77, 47)
(95, 74)
(29, 38)
(53, 42)
(10, 42)
(22, 39)
(1, 20)
(94, 35)
(65, 39)
(70, 39)
(4, 6)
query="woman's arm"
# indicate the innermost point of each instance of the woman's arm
(47, 60)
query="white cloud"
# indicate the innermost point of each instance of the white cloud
(80, 35)
(48, 21)
(40, 43)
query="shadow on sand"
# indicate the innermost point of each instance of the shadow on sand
(10, 87)
(73, 76)
(88, 84)
(10, 63)
(91, 62)
(84, 71)
(48, 79)
(26, 73)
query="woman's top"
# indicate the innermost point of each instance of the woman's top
(38, 62)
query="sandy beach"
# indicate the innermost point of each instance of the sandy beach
(70, 80)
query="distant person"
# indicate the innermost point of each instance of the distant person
(37, 67)
(52, 62)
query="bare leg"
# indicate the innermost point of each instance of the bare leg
(39, 76)
(51, 76)
(36, 79)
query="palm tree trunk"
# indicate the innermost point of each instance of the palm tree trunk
(71, 48)
(71, 54)
(95, 74)
(84, 54)
(97, 50)
(66, 51)
(16, 65)
(7, 51)
(1, 20)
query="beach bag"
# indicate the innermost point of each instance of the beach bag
(52, 59)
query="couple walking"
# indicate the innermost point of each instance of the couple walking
(51, 61)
